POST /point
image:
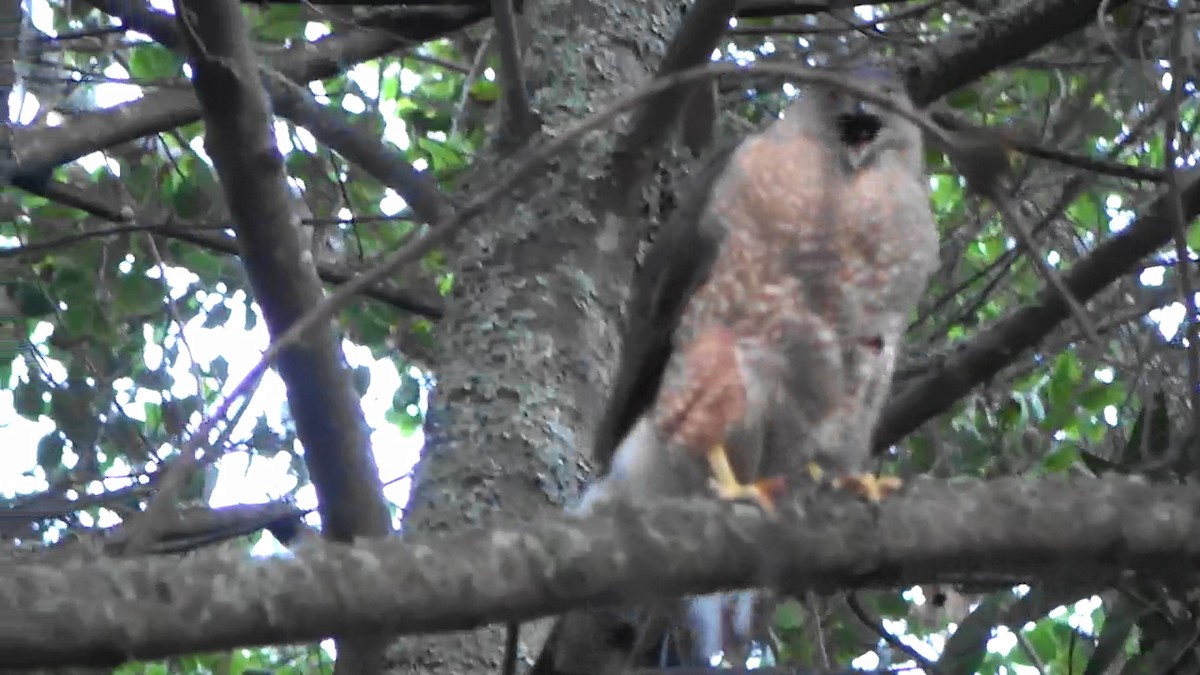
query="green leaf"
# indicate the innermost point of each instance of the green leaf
(362, 380)
(1060, 389)
(218, 315)
(409, 425)
(1096, 397)
(966, 97)
(1037, 83)
(441, 157)
(485, 90)
(891, 605)
(50, 451)
(282, 21)
(1114, 635)
(29, 400)
(1085, 212)
(6, 366)
(219, 368)
(32, 301)
(1193, 238)
(1061, 458)
(1013, 414)
(153, 414)
(789, 615)
(136, 293)
(390, 91)
(151, 61)
(408, 393)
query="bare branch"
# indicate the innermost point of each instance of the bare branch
(653, 120)
(1011, 33)
(320, 393)
(321, 396)
(929, 533)
(894, 642)
(426, 304)
(330, 128)
(520, 122)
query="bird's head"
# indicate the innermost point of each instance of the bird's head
(862, 131)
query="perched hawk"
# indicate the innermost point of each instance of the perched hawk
(764, 324)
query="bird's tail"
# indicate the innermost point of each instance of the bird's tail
(722, 623)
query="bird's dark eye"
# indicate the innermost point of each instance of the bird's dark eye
(858, 128)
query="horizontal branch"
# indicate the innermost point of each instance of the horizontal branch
(1011, 33)
(105, 611)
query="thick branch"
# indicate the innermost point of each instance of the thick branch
(320, 392)
(652, 121)
(43, 149)
(928, 533)
(446, 10)
(520, 122)
(189, 529)
(1010, 34)
(321, 396)
(330, 128)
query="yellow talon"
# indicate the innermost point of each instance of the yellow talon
(727, 487)
(815, 471)
(871, 487)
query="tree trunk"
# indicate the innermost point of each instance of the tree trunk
(530, 334)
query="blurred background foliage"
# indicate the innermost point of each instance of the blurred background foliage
(94, 311)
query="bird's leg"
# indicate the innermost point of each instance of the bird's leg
(815, 471)
(727, 486)
(698, 415)
(870, 394)
(868, 485)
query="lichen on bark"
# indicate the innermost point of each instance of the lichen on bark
(530, 331)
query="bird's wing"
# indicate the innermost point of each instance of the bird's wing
(677, 263)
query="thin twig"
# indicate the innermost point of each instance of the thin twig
(1018, 226)
(649, 125)
(894, 642)
(1074, 186)
(477, 66)
(1030, 652)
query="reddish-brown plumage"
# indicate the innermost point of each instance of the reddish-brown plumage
(711, 396)
(765, 323)
(816, 259)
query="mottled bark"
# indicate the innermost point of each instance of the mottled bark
(103, 611)
(530, 332)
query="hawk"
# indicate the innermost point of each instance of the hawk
(762, 329)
